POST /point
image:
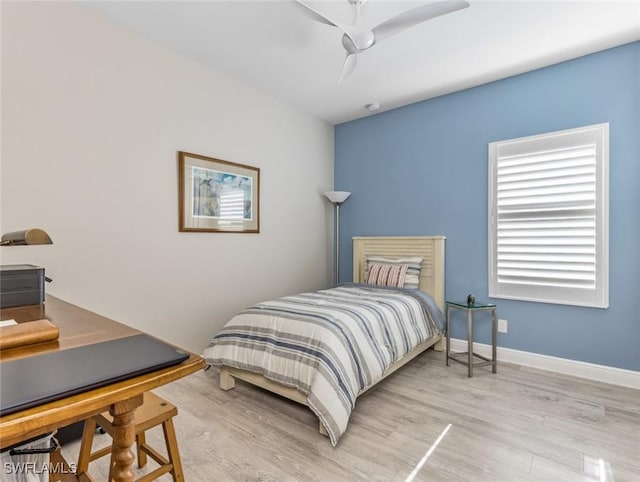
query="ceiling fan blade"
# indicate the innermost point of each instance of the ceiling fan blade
(350, 62)
(317, 16)
(361, 37)
(415, 16)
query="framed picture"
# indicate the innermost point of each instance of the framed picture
(217, 196)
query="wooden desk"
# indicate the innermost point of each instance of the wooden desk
(79, 327)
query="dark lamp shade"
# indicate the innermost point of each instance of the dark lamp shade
(28, 236)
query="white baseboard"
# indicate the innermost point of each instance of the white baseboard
(591, 371)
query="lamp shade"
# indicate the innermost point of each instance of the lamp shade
(337, 197)
(28, 236)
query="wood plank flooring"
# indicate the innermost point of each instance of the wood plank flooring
(517, 425)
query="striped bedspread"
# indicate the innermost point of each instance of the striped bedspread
(331, 344)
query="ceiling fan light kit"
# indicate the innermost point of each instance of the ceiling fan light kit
(356, 39)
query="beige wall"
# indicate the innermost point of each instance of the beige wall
(92, 118)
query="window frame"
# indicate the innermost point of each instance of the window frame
(597, 297)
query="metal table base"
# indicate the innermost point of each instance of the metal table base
(469, 354)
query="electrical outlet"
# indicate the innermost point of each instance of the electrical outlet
(502, 326)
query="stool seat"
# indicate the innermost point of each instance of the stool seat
(153, 411)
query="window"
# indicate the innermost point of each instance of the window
(548, 217)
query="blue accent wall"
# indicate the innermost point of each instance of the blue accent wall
(422, 169)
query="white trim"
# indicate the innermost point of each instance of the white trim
(565, 366)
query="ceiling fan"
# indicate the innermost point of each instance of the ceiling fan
(356, 38)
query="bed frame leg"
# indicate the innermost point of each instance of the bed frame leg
(227, 382)
(323, 431)
(440, 344)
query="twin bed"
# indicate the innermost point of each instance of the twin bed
(324, 349)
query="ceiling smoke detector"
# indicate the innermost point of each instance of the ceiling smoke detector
(372, 107)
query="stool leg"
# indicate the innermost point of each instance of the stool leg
(141, 439)
(111, 465)
(172, 450)
(85, 446)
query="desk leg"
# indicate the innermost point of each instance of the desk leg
(470, 340)
(122, 457)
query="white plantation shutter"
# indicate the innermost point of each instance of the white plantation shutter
(548, 203)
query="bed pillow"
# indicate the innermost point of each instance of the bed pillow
(380, 274)
(412, 273)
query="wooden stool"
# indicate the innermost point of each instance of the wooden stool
(153, 411)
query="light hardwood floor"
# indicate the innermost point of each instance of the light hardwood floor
(517, 425)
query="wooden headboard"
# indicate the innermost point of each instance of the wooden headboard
(429, 248)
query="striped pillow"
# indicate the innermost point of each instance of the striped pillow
(386, 274)
(412, 275)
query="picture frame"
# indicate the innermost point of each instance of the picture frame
(217, 196)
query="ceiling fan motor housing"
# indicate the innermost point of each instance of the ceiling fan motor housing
(358, 39)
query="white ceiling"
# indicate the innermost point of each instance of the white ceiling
(273, 46)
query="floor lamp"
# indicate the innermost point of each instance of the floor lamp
(337, 198)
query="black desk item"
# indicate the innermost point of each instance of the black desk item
(31, 381)
(21, 284)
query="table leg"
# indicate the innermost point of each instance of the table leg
(494, 340)
(448, 328)
(470, 341)
(122, 457)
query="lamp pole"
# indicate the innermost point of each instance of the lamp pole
(337, 243)
(337, 198)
